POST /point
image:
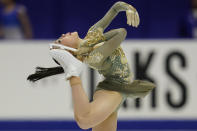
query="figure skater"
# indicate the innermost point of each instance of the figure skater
(103, 53)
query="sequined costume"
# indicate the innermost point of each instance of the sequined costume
(108, 57)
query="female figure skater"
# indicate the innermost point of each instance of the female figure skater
(101, 52)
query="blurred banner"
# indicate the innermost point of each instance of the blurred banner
(171, 64)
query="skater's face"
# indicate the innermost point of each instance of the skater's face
(70, 39)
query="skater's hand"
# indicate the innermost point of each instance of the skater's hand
(71, 65)
(132, 17)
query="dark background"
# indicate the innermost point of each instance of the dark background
(159, 18)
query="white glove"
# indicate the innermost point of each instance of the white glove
(71, 65)
(132, 17)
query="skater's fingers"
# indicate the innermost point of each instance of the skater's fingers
(137, 19)
(132, 19)
(128, 13)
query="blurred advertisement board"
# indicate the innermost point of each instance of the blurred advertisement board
(171, 64)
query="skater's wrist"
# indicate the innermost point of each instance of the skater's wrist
(75, 80)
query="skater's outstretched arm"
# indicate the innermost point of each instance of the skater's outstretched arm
(132, 17)
(95, 33)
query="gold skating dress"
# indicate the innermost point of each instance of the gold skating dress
(102, 52)
(114, 68)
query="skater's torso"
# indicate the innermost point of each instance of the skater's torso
(119, 68)
(115, 67)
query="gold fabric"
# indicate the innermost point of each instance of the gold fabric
(93, 37)
(109, 59)
(119, 69)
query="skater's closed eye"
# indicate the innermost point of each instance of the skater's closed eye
(70, 39)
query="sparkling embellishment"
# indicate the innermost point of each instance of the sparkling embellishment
(119, 69)
(94, 57)
(94, 37)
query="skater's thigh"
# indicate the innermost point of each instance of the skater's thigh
(103, 105)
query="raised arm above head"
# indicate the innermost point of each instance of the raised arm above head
(132, 16)
(95, 33)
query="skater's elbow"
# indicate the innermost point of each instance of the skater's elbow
(122, 33)
(81, 122)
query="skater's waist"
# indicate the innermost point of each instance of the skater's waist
(117, 81)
